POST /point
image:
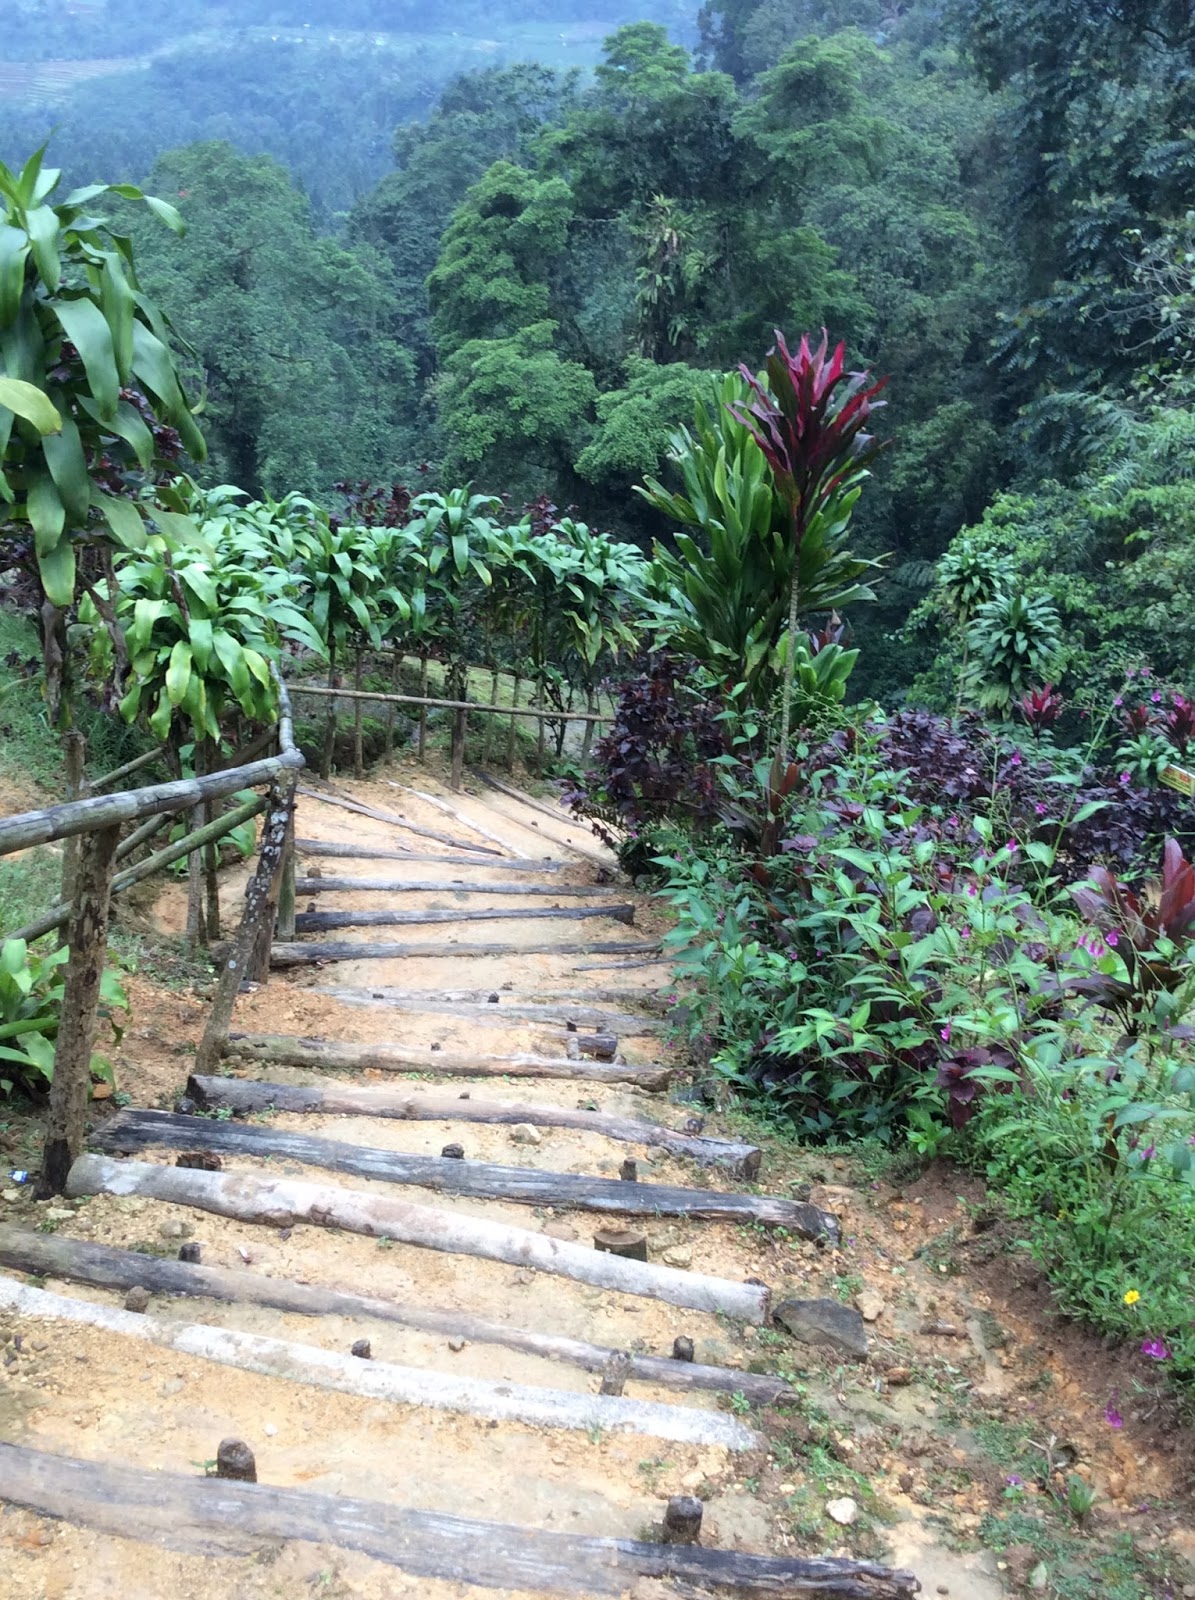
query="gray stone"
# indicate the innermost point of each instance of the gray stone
(824, 1322)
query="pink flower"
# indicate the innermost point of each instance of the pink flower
(1118, 702)
(1016, 758)
(1112, 938)
(1156, 1350)
(1012, 847)
(971, 890)
(964, 933)
(945, 1033)
(1126, 778)
(1039, 808)
(1156, 697)
(1112, 1416)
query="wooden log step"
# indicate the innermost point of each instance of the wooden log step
(562, 891)
(367, 852)
(455, 812)
(329, 921)
(397, 821)
(283, 956)
(501, 1013)
(246, 1096)
(131, 1132)
(590, 849)
(200, 1516)
(104, 1267)
(287, 1202)
(384, 1380)
(322, 1054)
(541, 995)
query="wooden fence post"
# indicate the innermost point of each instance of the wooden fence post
(256, 934)
(459, 727)
(74, 758)
(88, 941)
(286, 891)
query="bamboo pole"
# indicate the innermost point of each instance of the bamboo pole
(106, 810)
(126, 771)
(87, 938)
(152, 864)
(545, 713)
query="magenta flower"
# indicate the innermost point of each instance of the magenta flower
(1125, 779)
(971, 890)
(964, 933)
(1012, 847)
(1014, 1481)
(1112, 1416)
(945, 1033)
(1118, 702)
(1156, 1350)
(1156, 698)
(1039, 808)
(1112, 938)
(1016, 758)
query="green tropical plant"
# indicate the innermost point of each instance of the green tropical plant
(91, 402)
(814, 440)
(723, 596)
(1014, 641)
(968, 577)
(31, 988)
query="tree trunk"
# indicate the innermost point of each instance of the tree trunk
(196, 933)
(88, 940)
(790, 658)
(512, 735)
(211, 852)
(391, 710)
(74, 757)
(325, 766)
(587, 737)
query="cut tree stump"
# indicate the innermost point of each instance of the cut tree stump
(311, 955)
(195, 1516)
(131, 1132)
(330, 921)
(399, 822)
(345, 850)
(285, 1202)
(383, 1380)
(104, 1267)
(622, 1242)
(322, 1054)
(247, 1096)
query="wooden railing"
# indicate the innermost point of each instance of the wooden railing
(96, 823)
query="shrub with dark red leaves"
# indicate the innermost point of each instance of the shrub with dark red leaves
(369, 505)
(654, 764)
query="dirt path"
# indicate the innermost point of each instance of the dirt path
(919, 1440)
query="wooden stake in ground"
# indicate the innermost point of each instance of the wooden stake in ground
(101, 1266)
(88, 941)
(285, 1202)
(383, 1380)
(193, 1515)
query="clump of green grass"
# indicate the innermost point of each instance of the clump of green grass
(29, 885)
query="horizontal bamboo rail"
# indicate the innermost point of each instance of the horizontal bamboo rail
(126, 771)
(540, 713)
(152, 864)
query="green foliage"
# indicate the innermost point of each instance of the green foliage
(1014, 642)
(87, 370)
(31, 988)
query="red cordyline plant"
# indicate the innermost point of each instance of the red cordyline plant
(1041, 708)
(1180, 722)
(809, 421)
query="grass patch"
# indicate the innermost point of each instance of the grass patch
(30, 884)
(1077, 1567)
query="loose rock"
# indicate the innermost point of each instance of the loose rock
(824, 1322)
(678, 1255)
(870, 1305)
(137, 1299)
(456, 1344)
(362, 1349)
(453, 1152)
(525, 1133)
(844, 1511)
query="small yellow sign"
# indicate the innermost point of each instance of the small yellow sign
(1178, 778)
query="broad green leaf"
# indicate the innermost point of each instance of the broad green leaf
(116, 298)
(169, 214)
(231, 657)
(86, 326)
(44, 236)
(123, 518)
(201, 642)
(178, 673)
(80, 197)
(14, 252)
(154, 365)
(31, 403)
(68, 467)
(145, 614)
(201, 586)
(46, 512)
(128, 425)
(57, 571)
(160, 722)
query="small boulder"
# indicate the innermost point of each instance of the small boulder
(137, 1299)
(870, 1305)
(824, 1322)
(844, 1511)
(525, 1133)
(678, 1255)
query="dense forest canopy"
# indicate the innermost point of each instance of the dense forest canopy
(414, 254)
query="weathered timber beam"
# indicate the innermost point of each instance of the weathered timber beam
(504, 1012)
(204, 1517)
(246, 1095)
(384, 1380)
(369, 852)
(555, 891)
(543, 996)
(323, 1054)
(549, 714)
(439, 804)
(330, 921)
(138, 762)
(396, 821)
(103, 1267)
(310, 955)
(285, 1202)
(131, 1132)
